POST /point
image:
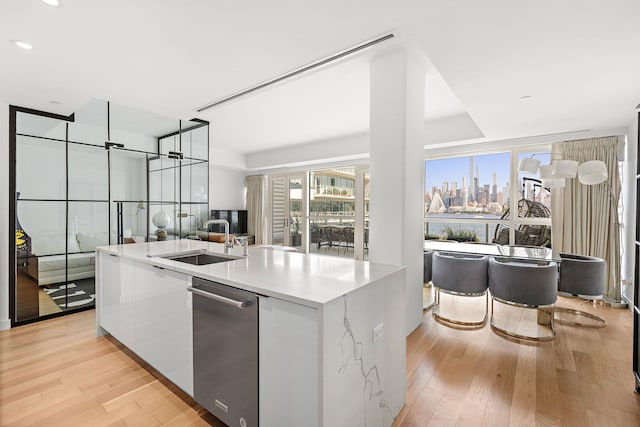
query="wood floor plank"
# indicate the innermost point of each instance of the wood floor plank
(57, 373)
(583, 378)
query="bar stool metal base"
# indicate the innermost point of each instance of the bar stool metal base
(545, 318)
(599, 321)
(435, 311)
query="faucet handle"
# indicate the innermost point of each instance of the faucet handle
(245, 247)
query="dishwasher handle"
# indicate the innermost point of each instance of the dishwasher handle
(219, 298)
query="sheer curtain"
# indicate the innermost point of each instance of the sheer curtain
(584, 217)
(256, 207)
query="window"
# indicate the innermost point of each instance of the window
(465, 197)
(471, 198)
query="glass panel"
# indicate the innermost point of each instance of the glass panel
(29, 124)
(127, 220)
(163, 226)
(191, 217)
(170, 143)
(531, 190)
(138, 129)
(40, 256)
(88, 173)
(90, 124)
(366, 215)
(332, 211)
(40, 168)
(194, 179)
(460, 231)
(128, 176)
(277, 211)
(163, 186)
(88, 222)
(530, 234)
(467, 187)
(195, 142)
(170, 180)
(295, 212)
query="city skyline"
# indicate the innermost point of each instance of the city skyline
(484, 186)
(455, 169)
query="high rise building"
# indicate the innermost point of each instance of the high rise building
(494, 192)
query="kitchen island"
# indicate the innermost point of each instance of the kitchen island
(331, 348)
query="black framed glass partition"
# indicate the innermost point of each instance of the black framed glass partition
(179, 184)
(87, 180)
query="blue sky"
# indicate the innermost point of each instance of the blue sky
(453, 169)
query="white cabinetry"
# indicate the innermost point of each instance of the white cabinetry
(116, 297)
(163, 323)
(334, 361)
(289, 364)
(148, 309)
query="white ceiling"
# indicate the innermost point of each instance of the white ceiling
(578, 60)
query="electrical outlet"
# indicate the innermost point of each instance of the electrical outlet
(378, 332)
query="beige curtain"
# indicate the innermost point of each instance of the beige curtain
(584, 217)
(256, 207)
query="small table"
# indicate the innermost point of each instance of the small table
(529, 253)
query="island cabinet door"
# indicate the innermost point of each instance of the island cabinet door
(115, 288)
(163, 323)
(289, 366)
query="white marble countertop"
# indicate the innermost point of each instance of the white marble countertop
(307, 279)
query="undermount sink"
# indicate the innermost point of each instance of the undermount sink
(200, 258)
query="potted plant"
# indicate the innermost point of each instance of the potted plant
(296, 235)
(460, 235)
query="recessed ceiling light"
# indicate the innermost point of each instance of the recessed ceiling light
(54, 3)
(525, 98)
(22, 44)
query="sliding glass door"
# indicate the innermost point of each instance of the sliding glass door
(288, 210)
(339, 211)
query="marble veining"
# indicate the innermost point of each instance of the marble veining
(351, 350)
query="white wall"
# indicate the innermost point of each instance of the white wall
(340, 148)
(5, 239)
(354, 148)
(451, 128)
(226, 188)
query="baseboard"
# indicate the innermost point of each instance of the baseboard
(5, 324)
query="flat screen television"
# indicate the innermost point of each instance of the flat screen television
(237, 221)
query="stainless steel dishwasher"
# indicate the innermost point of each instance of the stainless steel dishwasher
(225, 352)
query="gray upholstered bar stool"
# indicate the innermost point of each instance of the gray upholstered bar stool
(584, 277)
(463, 275)
(428, 259)
(525, 285)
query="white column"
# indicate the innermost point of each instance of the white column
(397, 135)
(629, 213)
(5, 239)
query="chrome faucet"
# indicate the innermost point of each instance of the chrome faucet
(227, 241)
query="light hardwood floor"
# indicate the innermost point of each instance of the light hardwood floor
(57, 373)
(476, 378)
